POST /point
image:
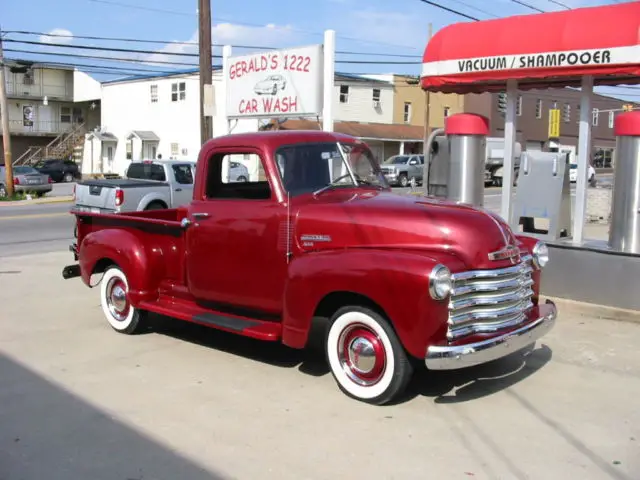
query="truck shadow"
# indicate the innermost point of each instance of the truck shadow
(454, 386)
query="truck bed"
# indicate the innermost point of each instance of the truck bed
(99, 195)
(122, 183)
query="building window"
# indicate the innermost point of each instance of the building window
(65, 115)
(407, 112)
(566, 113)
(344, 93)
(595, 113)
(538, 108)
(519, 106)
(178, 91)
(446, 111)
(376, 97)
(611, 118)
(154, 93)
(175, 148)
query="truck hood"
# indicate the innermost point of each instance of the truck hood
(374, 219)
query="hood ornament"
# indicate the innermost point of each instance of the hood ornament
(510, 252)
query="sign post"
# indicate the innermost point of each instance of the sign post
(554, 129)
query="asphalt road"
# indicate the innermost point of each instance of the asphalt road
(80, 401)
(49, 227)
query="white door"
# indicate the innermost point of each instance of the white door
(45, 119)
(150, 150)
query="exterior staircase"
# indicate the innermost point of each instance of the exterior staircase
(67, 144)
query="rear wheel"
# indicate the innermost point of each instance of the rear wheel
(68, 177)
(242, 178)
(155, 206)
(122, 317)
(3, 191)
(366, 357)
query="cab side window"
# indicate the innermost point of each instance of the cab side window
(238, 175)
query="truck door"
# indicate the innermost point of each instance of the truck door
(182, 184)
(235, 253)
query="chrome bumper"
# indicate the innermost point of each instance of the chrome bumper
(442, 357)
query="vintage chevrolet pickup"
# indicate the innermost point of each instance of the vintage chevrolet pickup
(401, 281)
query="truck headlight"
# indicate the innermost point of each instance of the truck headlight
(440, 282)
(541, 254)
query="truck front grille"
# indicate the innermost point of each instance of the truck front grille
(485, 301)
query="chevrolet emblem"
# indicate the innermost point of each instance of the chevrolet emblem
(510, 252)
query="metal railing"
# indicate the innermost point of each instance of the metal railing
(54, 127)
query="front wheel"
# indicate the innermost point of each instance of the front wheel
(122, 317)
(404, 180)
(366, 357)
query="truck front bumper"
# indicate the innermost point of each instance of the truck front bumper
(451, 357)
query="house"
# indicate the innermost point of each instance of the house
(49, 107)
(532, 122)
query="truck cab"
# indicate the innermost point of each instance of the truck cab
(399, 282)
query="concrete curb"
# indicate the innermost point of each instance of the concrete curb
(39, 201)
(602, 312)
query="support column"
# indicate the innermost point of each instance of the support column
(510, 129)
(329, 61)
(584, 152)
(401, 148)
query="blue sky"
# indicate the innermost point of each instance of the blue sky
(367, 27)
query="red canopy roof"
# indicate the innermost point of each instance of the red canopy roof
(544, 50)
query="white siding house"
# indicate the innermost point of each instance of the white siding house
(150, 116)
(359, 99)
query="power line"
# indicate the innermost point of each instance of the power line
(151, 52)
(560, 4)
(472, 7)
(170, 42)
(528, 6)
(450, 10)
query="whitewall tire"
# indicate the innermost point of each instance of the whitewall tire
(121, 315)
(366, 357)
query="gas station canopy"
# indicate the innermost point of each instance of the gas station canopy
(549, 50)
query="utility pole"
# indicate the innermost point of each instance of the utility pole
(204, 44)
(6, 134)
(427, 109)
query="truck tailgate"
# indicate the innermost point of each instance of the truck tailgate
(96, 196)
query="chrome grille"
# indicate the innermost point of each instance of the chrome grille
(485, 301)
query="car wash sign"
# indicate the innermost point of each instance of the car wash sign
(279, 83)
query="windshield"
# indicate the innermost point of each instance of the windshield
(397, 159)
(309, 167)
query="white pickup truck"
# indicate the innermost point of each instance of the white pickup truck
(149, 185)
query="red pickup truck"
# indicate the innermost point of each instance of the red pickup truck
(401, 281)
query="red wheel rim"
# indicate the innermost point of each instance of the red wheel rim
(362, 354)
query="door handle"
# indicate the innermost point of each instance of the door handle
(200, 216)
(178, 189)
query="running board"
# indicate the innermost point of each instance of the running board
(190, 312)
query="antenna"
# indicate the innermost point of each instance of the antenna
(288, 226)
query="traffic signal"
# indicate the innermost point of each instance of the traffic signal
(502, 102)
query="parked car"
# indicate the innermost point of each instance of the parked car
(398, 281)
(26, 180)
(573, 174)
(237, 172)
(400, 169)
(59, 170)
(149, 185)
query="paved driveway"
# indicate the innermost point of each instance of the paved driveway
(78, 400)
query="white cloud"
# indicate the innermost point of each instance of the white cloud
(269, 35)
(57, 35)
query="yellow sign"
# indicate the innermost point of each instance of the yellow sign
(554, 123)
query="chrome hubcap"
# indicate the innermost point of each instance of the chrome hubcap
(362, 355)
(117, 299)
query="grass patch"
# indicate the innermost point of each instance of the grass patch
(14, 198)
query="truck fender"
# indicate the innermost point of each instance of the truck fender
(395, 282)
(153, 197)
(123, 248)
